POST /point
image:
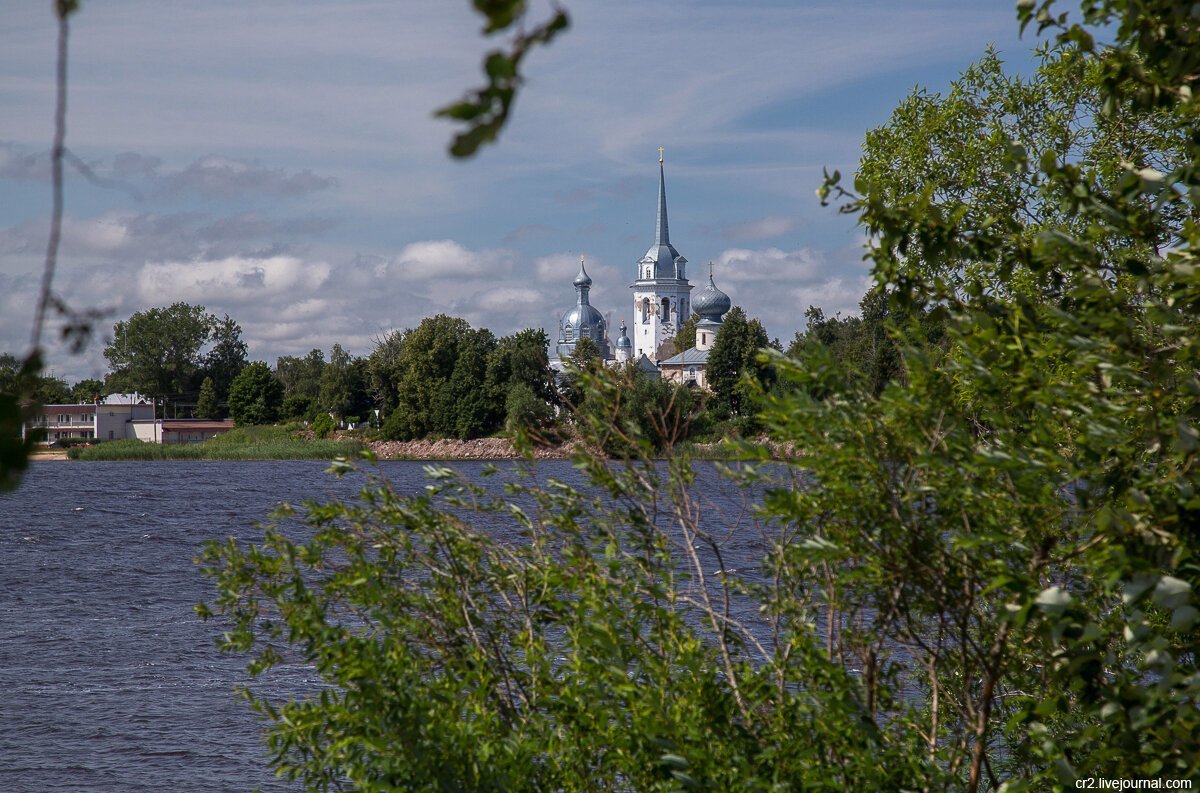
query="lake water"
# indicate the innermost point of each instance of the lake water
(109, 681)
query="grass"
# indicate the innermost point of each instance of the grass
(241, 443)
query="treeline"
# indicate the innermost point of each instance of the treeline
(442, 378)
(447, 379)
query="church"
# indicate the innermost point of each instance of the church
(662, 302)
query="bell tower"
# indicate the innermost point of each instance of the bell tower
(660, 288)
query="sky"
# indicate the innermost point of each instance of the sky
(278, 160)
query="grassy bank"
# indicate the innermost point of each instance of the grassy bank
(243, 443)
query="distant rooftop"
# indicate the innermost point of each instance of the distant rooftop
(125, 399)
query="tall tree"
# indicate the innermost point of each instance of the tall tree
(207, 404)
(383, 373)
(301, 376)
(440, 377)
(521, 359)
(255, 396)
(227, 356)
(734, 355)
(974, 151)
(342, 391)
(157, 351)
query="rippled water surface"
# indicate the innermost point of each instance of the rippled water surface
(109, 681)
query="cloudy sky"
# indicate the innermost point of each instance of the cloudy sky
(277, 160)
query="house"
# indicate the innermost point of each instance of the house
(690, 367)
(107, 419)
(119, 416)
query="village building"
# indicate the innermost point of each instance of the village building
(117, 417)
(690, 366)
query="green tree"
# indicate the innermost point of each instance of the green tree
(157, 351)
(299, 406)
(974, 151)
(870, 345)
(41, 389)
(227, 357)
(322, 425)
(525, 412)
(207, 405)
(585, 359)
(520, 383)
(301, 376)
(255, 396)
(343, 391)
(1046, 451)
(10, 367)
(635, 414)
(441, 371)
(733, 371)
(383, 371)
(50, 390)
(87, 390)
(685, 339)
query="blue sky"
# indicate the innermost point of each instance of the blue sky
(280, 162)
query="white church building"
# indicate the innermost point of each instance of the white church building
(662, 302)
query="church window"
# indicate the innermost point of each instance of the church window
(568, 332)
(703, 338)
(666, 308)
(645, 309)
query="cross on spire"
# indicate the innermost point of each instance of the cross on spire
(660, 150)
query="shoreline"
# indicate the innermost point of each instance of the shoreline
(481, 449)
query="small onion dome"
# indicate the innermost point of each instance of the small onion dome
(623, 342)
(711, 303)
(583, 279)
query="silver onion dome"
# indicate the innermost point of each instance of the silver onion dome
(711, 303)
(583, 319)
(623, 341)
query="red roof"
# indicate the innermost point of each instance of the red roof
(196, 425)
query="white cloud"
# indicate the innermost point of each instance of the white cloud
(235, 280)
(777, 286)
(441, 259)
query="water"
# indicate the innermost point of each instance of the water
(108, 681)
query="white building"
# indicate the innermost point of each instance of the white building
(690, 367)
(116, 417)
(662, 302)
(109, 419)
(661, 289)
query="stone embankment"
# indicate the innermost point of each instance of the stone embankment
(502, 449)
(448, 449)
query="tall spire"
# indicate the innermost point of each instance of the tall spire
(662, 234)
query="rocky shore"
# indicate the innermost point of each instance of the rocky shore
(449, 449)
(502, 449)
